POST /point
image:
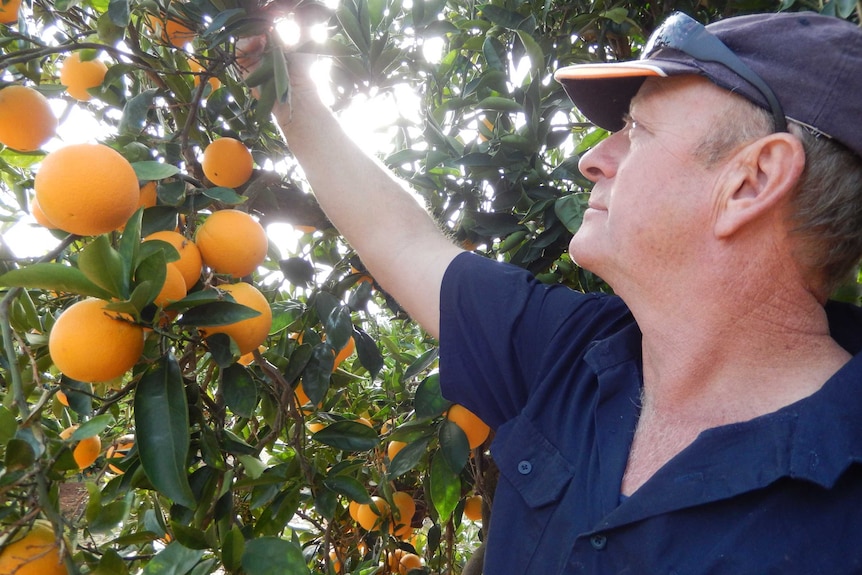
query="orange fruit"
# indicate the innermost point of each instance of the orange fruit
(305, 229)
(174, 287)
(87, 189)
(366, 515)
(39, 215)
(393, 448)
(353, 510)
(148, 195)
(232, 242)
(473, 508)
(36, 553)
(364, 421)
(248, 358)
(190, 262)
(408, 562)
(402, 519)
(344, 353)
(63, 398)
(78, 76)
(476, 430)
(177, 33)
(248, 333)
(118, 450)
(87, 450)
(393, 559)
(26, 119)
(170, 30)
(89, 343)
(9, 11)
(227, 162)
(302, 399)
(198, 69)
(316, 426)
(333, 559)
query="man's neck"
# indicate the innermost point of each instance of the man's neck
(704, 368)
(738, 351)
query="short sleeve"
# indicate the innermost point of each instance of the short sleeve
(498, 325)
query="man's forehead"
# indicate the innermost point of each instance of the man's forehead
(654, 89)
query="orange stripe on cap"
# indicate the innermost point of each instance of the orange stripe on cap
(607, 71)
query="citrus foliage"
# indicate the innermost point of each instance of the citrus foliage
(303, 429)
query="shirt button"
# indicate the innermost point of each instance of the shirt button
(525, 467)
(599, 542)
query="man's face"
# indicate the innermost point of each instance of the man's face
(651, 205)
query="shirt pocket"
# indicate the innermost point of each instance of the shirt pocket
(526, 532)
(530, 463)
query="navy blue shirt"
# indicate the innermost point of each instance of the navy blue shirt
(557, 374)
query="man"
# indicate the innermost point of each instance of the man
(708, 418)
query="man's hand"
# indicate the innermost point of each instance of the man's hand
(261, 67)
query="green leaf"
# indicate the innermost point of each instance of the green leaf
(339, 327)
(501, 16)
(454, 445)
(617, 15)
(348, 486)
(93, 426)
(570, 209)
(109, 516)
(103, 265)
(282, 80)
(79, 394)
(119, 12)
(150, 170)
(534, 51)
(224, 195)
(348, 436)
(55, 277)
(297, 271)
(445, 487)
(408, 458)
(367, 352)
(173, 560)
(325, 503)
(189, 536)
(298, 361)
(428, 401)
(232, 548)
(239, 390)
(111, 564)
(8, 424)
(499, 104)
(216, 313)
(273, 556)
(318, 370)
(150, 275)
(495, 54)
(348, 16)
(420, 364)
(108, 32)
(19, 455)
(162, 430)
(134, 118)
(130, 242)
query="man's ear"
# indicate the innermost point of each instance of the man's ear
(757, 179)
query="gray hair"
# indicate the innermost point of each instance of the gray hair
(826, 206)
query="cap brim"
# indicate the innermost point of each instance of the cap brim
(603, 91)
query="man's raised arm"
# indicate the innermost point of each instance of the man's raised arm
(402, 246)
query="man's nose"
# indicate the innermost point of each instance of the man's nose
(601, 160)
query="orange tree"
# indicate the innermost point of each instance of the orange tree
(293, 424)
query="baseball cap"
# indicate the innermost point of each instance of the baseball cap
(801, 65)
